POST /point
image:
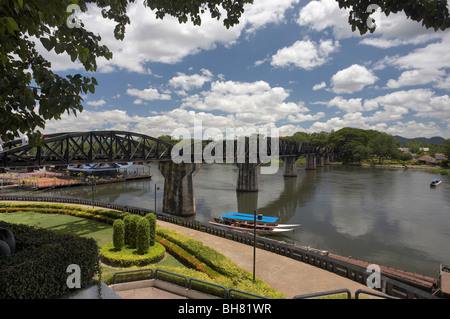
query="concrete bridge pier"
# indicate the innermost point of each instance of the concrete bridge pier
(320, 161)
(310, 161)
(290, 166)
(178, 187)
(247, 177)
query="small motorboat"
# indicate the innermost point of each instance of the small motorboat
(245, 222)
(435, 182)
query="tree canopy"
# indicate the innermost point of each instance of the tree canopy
(31, 93)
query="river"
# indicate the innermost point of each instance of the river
(390, 217)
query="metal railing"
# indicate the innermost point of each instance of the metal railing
(188, 283)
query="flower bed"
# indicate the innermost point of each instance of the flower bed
(186, 258)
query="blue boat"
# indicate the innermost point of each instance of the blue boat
(245, 222)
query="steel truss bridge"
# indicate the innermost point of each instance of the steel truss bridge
(73, 148)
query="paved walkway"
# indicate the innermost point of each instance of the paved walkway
(284, 274)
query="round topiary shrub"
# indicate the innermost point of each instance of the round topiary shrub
(7, 236)
(119, 234)
(143, 236)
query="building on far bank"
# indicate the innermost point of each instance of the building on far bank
(440, 157)
(426, 159)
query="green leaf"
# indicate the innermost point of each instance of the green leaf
(47, 43)
(11, 25)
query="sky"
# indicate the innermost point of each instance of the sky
(288, 66)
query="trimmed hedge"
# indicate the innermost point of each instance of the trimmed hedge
(38, 268)
(119, 234)
(129, 257)
(205, 254)
(101, 215)
(143, 236)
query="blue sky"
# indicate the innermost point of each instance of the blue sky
(293, 65)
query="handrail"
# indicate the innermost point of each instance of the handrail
(326, 293)
(131, 271)
(209, 284)
(186, 280)
(361, 291)
(244, 293)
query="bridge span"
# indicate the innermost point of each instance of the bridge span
(178, 164)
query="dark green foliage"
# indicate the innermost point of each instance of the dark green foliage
(27, 79)
(38, 268)
(432, 14)
(127, 220)
(152, 220)
(133, 230)
(118, 234)
(143, 236)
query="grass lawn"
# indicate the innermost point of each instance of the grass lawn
(101, 232)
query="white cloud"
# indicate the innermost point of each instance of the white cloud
(416, 77)
(189, 82)
(396, 29)
(323, 14)
(148, 94)
(96, 103)
(319, 86)
(252, 102)
(352, 79)
(423, 66)
(148, 39)
(298, 118)
(305, 54)
(262, 12)
(423, 102)
(349, 106)
(392, 30)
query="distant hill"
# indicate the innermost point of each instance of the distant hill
(432, 140)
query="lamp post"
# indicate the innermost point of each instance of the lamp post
(254, 242)
(156, 190)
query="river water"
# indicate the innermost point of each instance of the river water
(390, 217)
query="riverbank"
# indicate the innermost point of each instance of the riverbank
(46, 180)
(430, 168)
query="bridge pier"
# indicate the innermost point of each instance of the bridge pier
(310, 161)
(290, 166)
(247, 177)
(178, 187)
(320, 161)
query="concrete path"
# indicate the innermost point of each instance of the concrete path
(284, 274)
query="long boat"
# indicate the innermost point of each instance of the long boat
(245, 222)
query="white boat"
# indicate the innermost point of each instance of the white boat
(245, 222)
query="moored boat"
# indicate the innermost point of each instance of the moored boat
(245, 222)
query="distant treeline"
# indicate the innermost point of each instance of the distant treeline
(356, 145)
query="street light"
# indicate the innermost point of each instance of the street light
(254, 241)
(156, 190)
